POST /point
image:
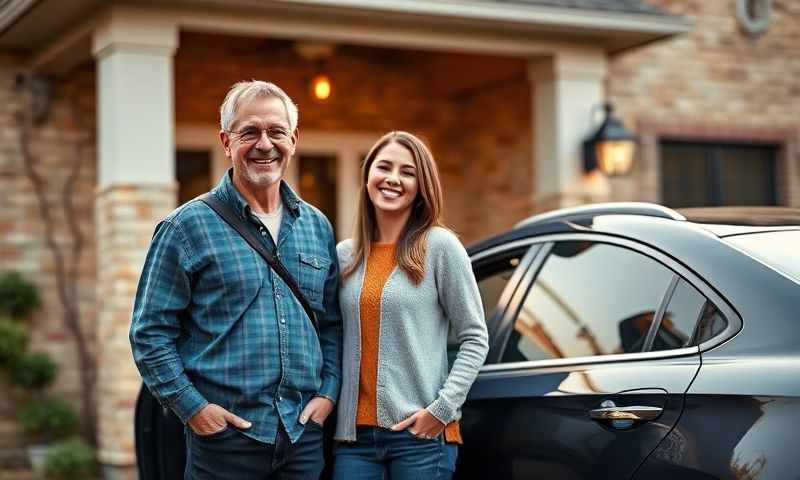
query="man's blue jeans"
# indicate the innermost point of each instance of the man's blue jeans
(379, 453)
(231, 455)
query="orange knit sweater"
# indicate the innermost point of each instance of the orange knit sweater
(380, 264)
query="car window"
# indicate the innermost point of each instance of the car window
(680, 318)
(712, 323)
(492, 285)
(589, 299)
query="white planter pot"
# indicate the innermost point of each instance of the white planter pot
(36, 456)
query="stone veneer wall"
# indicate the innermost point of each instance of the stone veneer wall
(715, 82)
(55, 146)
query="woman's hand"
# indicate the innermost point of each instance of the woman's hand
(422, 424)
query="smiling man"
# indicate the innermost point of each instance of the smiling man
(217, 335)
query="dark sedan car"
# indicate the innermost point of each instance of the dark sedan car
(627, 341)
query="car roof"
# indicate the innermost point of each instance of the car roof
(628, 218)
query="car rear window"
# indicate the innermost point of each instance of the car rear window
(777, 249)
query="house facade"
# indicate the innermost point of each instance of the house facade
(114, 106)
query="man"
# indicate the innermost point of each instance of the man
(217, 335)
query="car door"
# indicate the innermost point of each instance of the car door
(572, 389)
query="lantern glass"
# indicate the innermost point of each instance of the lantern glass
(615, 157)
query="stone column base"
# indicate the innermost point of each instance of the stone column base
(126, 216)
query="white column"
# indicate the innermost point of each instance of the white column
(566, 87)
(135, 98)
(136, 188)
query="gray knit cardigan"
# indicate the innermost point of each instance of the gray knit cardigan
(414, 324)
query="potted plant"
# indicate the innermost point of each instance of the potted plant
(46, 420)
(69, 459)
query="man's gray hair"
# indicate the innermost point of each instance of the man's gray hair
(248, 90)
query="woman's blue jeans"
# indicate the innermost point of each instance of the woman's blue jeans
(380, 454)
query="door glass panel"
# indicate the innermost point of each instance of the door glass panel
(712, 323)
(193, 173)
(317, 183)
(493, 278)
(588, 299)
(680, 318)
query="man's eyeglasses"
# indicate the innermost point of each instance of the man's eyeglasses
(253, 134)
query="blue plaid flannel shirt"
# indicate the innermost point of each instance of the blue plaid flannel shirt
(213, 323)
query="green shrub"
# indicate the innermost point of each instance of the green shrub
(18, 296)
(13, 339)
(33, 371)
(69, 459)
(48, 418)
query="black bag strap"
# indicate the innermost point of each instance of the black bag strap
(224, 211)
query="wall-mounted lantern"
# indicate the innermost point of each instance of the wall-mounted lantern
(320, 85)
(611, 148)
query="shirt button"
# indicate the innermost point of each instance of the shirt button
(283, 320)
(263, 233)
(280, 398)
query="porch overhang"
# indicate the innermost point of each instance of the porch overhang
(55, 35)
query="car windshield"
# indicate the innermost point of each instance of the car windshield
(777, 249)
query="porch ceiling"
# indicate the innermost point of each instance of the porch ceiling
(27, 25)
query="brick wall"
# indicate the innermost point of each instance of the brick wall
(56, 146)
(715, 83)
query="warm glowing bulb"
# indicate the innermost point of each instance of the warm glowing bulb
(321, 86)
(615, 157)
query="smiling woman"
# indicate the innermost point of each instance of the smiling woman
(406, 283)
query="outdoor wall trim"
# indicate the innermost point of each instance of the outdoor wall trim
(135, 30)
(519, 14)
(65, 51)
(291, 26)
(13, 10)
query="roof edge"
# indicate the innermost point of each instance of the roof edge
(534, 15)
(14, 9)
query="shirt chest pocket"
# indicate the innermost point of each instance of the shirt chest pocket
(313, 272)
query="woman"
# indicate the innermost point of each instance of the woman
(406, 283)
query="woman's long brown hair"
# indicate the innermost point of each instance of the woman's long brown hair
(426, 210)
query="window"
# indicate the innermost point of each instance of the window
(317, 183)
(589, 299)
(680, 318)
(193, 173)
(493, 277)
(712, 323)
(695, 174)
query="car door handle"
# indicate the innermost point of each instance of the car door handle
(635, 413)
